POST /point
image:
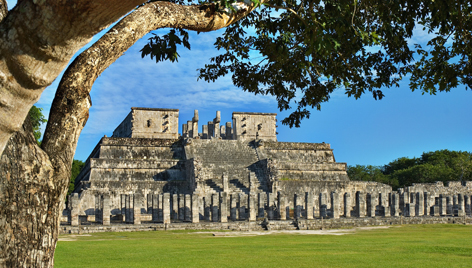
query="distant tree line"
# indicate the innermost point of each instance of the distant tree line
(441, 165)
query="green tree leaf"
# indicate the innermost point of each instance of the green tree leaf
(37, 119)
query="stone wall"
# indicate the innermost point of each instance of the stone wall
(149, 123)
(253, 126)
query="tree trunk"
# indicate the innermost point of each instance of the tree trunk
(30, 203)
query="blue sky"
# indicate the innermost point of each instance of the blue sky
(362, 131)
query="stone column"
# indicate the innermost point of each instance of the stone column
(166, 208)
(449, 205)
(206, 204)
(211, 129)
(184, 130)
(225, 182)
(123, 207)
(411, 209)
(282, 207)
(224, 207)
(368, 205)
(188, 206)
(261, 205)
(374, 204)
(252, 207)
(223, 132)
(181, 207)
(467, 204)
(189, 128)
(347, 205)
(270, 206)
(252, 182)
(74, 209)
(216, 123)
(442, 205)
(360, 204)
(297, 206)
(426, 203)
(195, 124)
(309, 205)
(194, 129)
(234, 207)
(335, 204)
(383, 196)
(406, 202)
(98, 210)
(161, 207)
(138, 204)
(215, 203)
(242, 206)
(395, 204)
(175, 207)
(323, 205)
(454, 205)
(195, 209)
(106, 209)
(460, 205)
(149, 203)
(129, 206)
(316, 208)
(228, 134)
(155, 208)
(204, 131)
(419, 204)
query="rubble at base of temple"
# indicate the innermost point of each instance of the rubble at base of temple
(237, 176)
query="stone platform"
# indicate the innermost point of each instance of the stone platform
(261, 225)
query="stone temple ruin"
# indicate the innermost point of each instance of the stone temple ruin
(237, 174)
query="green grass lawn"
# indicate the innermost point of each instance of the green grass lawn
(398, 246)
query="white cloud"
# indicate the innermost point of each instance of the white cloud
(135, 82)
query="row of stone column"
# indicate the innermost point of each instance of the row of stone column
(220, 207)
(419, 204)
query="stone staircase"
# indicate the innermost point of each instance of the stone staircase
(236, 159)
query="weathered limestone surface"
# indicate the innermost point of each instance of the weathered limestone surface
(149, 123)
(253, 126)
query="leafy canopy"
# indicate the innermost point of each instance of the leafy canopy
(302, 51)
(441, 165)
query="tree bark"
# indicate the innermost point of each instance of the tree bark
(29, 203)
(33, 180)
(3, 9)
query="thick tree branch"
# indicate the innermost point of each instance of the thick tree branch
(69, 111)
(37, 40)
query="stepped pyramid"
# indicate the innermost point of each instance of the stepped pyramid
(147, 156)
